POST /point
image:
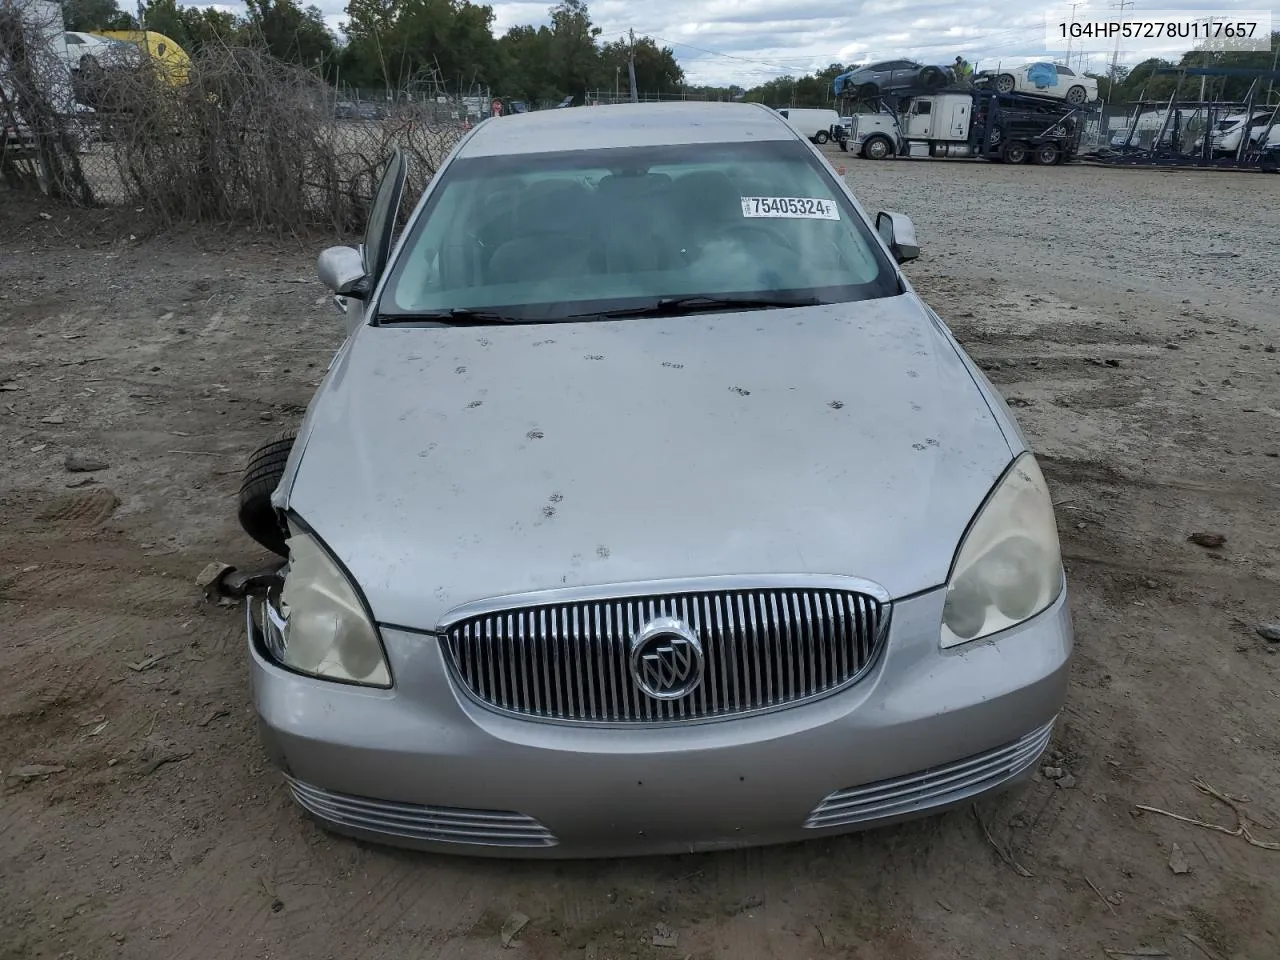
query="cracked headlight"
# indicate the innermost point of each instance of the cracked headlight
(321, 627)
(1009, 565)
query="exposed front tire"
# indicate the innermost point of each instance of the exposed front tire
(931, 77)
(1005, 83)
(877, 148)
(258, 518)
(1077, 95)
(868, 91)
(822, 137)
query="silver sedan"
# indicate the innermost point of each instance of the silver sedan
(647, 508)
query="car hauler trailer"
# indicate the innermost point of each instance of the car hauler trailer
(1258, 115)
(973, 122)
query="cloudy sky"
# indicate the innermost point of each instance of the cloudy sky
(750, 41)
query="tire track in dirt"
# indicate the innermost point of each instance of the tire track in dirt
(394, 896)
(73, 512)
(92, 587)
(43, 718)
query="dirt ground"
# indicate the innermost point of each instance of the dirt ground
(1130, 317)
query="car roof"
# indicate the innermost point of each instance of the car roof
(625, 125)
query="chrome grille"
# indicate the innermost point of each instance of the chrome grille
(946, 784)
(570, 659)
(413, 821)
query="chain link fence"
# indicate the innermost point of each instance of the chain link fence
(242, 138)
(623, 95)
(312, 170)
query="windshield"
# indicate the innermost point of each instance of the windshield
(555, 236)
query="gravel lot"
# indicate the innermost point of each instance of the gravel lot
(1129, 316)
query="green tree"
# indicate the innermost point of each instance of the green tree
(206, 26)
(165, 16)
(575, 58)
(192, 28)
(524, 65)
(88, 16)
(811, 90)
(731, 92)
(392, 42)
(290, 32)
(1143, 82)
(1229, 88)
(369, 28)
(1110, 83)
(657, 71)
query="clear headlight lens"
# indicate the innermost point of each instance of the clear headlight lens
(321, 627)
(1009, 566)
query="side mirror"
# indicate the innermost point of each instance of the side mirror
(341, 269)
(899, 235)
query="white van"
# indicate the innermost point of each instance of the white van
(814, 124)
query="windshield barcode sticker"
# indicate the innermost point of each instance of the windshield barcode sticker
(790, 208)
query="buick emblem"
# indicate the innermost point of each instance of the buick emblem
(666, 659)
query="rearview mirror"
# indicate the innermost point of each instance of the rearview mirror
(899, 235)
(341, 269)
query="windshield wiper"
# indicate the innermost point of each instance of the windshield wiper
(458, 315)
(693, 303)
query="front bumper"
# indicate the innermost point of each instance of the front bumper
(422, 765)
(858, 139)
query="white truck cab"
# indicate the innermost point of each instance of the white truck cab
(942, 118)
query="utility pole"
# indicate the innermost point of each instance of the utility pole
(1115, 57)
(1275, 58)
(631, 69)
(1204, 61)
(1073, 20)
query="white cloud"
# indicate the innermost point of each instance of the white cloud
(750, 41)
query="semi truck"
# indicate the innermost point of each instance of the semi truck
(972, 122)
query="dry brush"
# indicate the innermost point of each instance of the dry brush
(244, 139)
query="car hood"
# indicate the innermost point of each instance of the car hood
(445, 465)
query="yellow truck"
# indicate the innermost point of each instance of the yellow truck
(172, 61)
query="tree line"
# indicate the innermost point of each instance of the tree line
(401, 44)
(404, 44)
(1142, 82)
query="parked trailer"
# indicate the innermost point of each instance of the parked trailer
(1213, 149)
(973, 122)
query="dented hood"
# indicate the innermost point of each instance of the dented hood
(444, 465)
